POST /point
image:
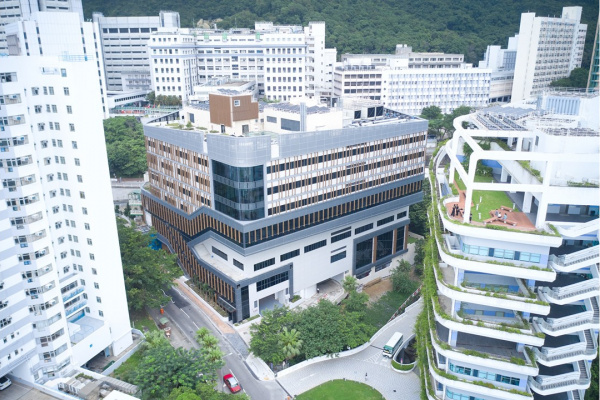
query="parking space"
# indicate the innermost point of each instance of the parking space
(18, 391)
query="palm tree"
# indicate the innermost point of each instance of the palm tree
(210, 342)
(290, 343)
(201, 334)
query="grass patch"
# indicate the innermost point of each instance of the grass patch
(141, 319)
(338, 389)
(402, 367)
(380, 312)
(126, 370)
(490, 200)
(412, 240)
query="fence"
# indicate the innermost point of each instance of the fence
(411, 299)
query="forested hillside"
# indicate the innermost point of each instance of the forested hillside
(372, 26)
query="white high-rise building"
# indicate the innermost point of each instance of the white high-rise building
(408, 81)
(513, 299)
(548, 49)
(502, 63)
(124, 47)
(287, 61)
(13, 10)
(62, 297)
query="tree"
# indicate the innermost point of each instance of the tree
(419, 256)
(146, 271)
(201, 334)
(431, 113)
(184, 393)
(320, 328)
(125, 146)
(418, 212)
(290, 343)
(350, 284)
(401, 281)
(127, 210)
(592, 392)
(151, 97)
(265, 335)
(164, 368)
(577, 79)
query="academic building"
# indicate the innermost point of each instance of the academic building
(265, 201)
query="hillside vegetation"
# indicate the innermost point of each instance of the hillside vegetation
(372, 26)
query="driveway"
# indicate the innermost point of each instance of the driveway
(370, 361)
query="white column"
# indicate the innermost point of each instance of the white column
(527, 202)
(519, 143)
(503, 175)
(540, 220)
(451, 173)
(469, 184)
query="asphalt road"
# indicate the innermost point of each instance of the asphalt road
(189, 318)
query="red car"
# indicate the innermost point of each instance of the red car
(232, 383)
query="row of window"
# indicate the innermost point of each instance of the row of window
(501, 253)
(272, 281)
(484, 375)
(336, 174)
(315, 246)
(264, 264)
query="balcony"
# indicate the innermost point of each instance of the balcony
(562, 378)
(73, 294)
(83, 327)
(76, 307)
(450, 254)
(487, 298)
(567, 319)
(575, 261)
(570, 288)
(485, 328)
(567, 348)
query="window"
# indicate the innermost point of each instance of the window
(89, 241)
(291, 254)
(94, 271)
(100, 313)
(96, 285)
(236, 103)
(66, 90)
(79, 178)
(272, 119)
(51, 90)
(341, 236)
(92, 256)
(272, 281)
(264, 264)
(98, 299)
(219, 253)
(72, 127)
(401, 215)
(363, 228)
(77, 163)
(86, 226)
(386, 220)
(84, 210)
(82, 195)
(63, 72)
(315, 246)
(74, 144)
(69, 110)
(339, 256)
(238, 264)
(364, 253)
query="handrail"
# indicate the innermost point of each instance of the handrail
(557, 324)
(576, 257)
(590, 285)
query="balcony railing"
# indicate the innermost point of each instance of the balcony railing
(76, 307)
(73, 294)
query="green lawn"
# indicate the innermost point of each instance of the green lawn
(380, 312)
(412, 240)
(141, 319)
(338, 390)
(124, 372)
(490, 200)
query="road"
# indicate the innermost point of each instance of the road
(189, 318)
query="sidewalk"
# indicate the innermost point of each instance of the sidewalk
(215, 318)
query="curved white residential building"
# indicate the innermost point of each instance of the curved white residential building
(515, 313)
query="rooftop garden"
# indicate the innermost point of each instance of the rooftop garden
(487, 200)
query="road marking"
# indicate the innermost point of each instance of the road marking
(226, 355)
(186, 314)
(306, 377)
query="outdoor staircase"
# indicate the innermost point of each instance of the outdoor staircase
(582, 369)
(594, 301)
(574, 261)
(575, 394)
(589, 341)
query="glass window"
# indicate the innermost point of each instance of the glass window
(384, 244)
(364, 253)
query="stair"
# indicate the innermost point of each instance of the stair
(575, 394)
(588, 339)
(582, 369)
(594, 302)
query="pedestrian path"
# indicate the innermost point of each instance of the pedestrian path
(368, 363)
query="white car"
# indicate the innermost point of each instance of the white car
(4, 382)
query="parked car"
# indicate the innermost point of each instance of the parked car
(4, 382)
(232, 383)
